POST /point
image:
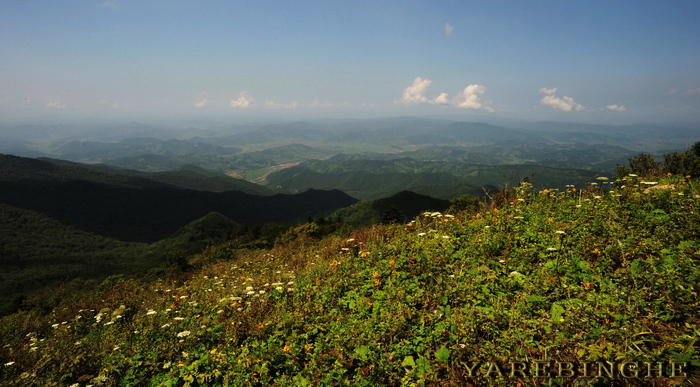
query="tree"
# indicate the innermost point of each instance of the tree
(393, 215)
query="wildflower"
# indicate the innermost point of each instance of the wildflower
(167, 365)
(376, 282)
(596, 251)
(150, 312)
(279, 288)
(375, 274)
(550, 220)
(261, 326)
(573, 190)
(551, 249)
(546, 191)
(179, 318)
(421, 234)
(559, 232)
(365, 254)
(9, 364)
(184, 334)
(631, 175)
(54, 326)
(165, 325)
(669, 174)
(286, 348)
(262, 292)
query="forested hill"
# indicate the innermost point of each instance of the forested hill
(137, 209)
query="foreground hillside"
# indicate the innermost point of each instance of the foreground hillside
(583, 283)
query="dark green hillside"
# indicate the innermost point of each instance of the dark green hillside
(140, 209)
(38, 252)
(409, 205)
(193, 238)
(45, 171)
(148, 215)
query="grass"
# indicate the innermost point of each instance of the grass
(592, 275)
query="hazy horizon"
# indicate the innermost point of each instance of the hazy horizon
(582, 62)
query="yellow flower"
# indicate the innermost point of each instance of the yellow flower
(573, 189)
(546, 191)
(669, 174)
(596, 251)
(286, 348)
(550, 220)
(375, 274)
(335, 262)
(365, 254)
(261, 326)
(376, 282)
(391, 262)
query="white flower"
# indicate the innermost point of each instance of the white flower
(559, 232)
(165, 325)
(167, 365)
(54, 326)
(551, 249)
(421, 234)
(290, 283)
(250, 292)
(279, 288)
(150, 312)
(9, 364)
(184, 334)
(179, 318)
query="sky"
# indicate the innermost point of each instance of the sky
(575, 61)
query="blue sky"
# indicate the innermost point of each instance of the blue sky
(580, 61)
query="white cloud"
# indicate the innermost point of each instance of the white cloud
(441, 100)
(693, 91)
(671, 92)
(56, 104)
(448, 29)
(616, 108)
(201, 103)
(470, 98)
(414, 93)
(565, 103)
(244, 100)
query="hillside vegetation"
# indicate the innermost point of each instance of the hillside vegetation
(579, 275)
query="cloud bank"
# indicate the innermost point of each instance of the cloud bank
(564, 103)
(469, 98)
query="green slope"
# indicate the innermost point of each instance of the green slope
(579, 277)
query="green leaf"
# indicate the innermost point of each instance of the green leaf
(408, 362)
(556, 312)
(636, 267)
(443, 354)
